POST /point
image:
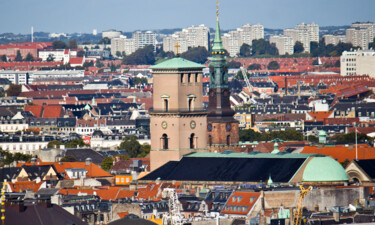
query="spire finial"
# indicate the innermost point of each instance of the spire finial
(217, 10)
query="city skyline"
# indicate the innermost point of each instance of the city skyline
(82, 15)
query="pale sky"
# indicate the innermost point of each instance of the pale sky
(70, 16)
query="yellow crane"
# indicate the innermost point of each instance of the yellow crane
(297, 218)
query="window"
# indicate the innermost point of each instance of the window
(210, 140)
(165, 141)
(166, 105)
(189, 78)
(182, 78)
(228, 140)
(192, 140)
(196, 77)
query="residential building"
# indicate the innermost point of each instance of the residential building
(111, 34)
(141, 39)
(122, 44)
(304, 33)
(15, 77)
(10, 50)
(330, 39)
(284, 44)
(358, 37)
(233, 40)
(188, 37)
(358, 62)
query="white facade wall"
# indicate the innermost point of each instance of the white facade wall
(361, 62)
(16, 77)
(111, 34)
(334, 39)
(304, 33)
(23, 147)
(284, 44)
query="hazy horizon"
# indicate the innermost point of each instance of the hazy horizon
(125, 15)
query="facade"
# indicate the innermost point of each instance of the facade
(222, 128)
(15, 77)
(111, 34)
(177, 121)
(304, 33)
(233, 40)
(359, 62)
(284, 44)
(330, 39)
(189, 37)
(122, 44)
(141, 39)
(358, 37)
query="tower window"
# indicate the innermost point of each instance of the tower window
(182, 78)
(165, 141)
(228, 140)
(190, 104)
(210, 140)
(192, 140)
(189, 77)
(196, 77)
(166, 105)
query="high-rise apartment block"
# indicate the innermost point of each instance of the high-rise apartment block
(304, 33)
(187, 38)
(330, 39)
(233, 40)
(130, 45)
(358, 62)
(284, 44)
(361, 34)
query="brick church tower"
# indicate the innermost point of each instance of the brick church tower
(177, 121)
(222, 128)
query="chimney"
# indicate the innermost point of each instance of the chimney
(88, 161)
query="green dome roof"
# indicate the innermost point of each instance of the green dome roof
(321, 169)
(177, 63)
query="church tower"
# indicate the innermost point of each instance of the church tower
(222, 128)
(177, 121)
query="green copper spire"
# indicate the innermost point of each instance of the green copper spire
(218, 44)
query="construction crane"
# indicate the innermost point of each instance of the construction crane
(174, 215)
(297, 218)
(246, 79)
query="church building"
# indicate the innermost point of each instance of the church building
(178, 122)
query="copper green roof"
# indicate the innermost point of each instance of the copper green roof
(320, 169)
(177, 63)
(218, 44)
(230, 154)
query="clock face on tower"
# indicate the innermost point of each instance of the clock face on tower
(228, 127)
(192, 124)
(209, 127)
(164, 124)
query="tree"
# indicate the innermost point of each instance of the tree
(14, 90)
(88, 64)
(50, 58)
(113, 68)
(107, 163)
(18, 56)
(105, 41)
(68, 158)
(249, 135)
(273, 65)
(337, 63)
(372, 44)
(254, 66)
(73, 44)
(145, 150)
(131, 146)
(138, 81)
(54, 143)
(196, 54)
(118, 54)
(58, 44)
(8, 157)
(245, 50)
(298, 47)
(263, 47)
(142, 56)
(81, 53)
(239, 75)
(76, 143)
(4, 58)
(99, 64)
(29, 58)
(234, 64)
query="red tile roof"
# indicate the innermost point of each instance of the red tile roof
(45, 111)
(341, 153)
(25, 185)
(320, 116)
(240, 202)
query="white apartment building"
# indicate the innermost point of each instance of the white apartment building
(368, 26)
(111, 34)
(16, 77)
(142, 39)
(358, 62)
(188, 37)
(57, 54)
(233, 40)
(122, 44)
(304, 33)
(358, 37)
(284, 44)
(330, 39)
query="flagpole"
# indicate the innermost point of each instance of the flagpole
(356, 142)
